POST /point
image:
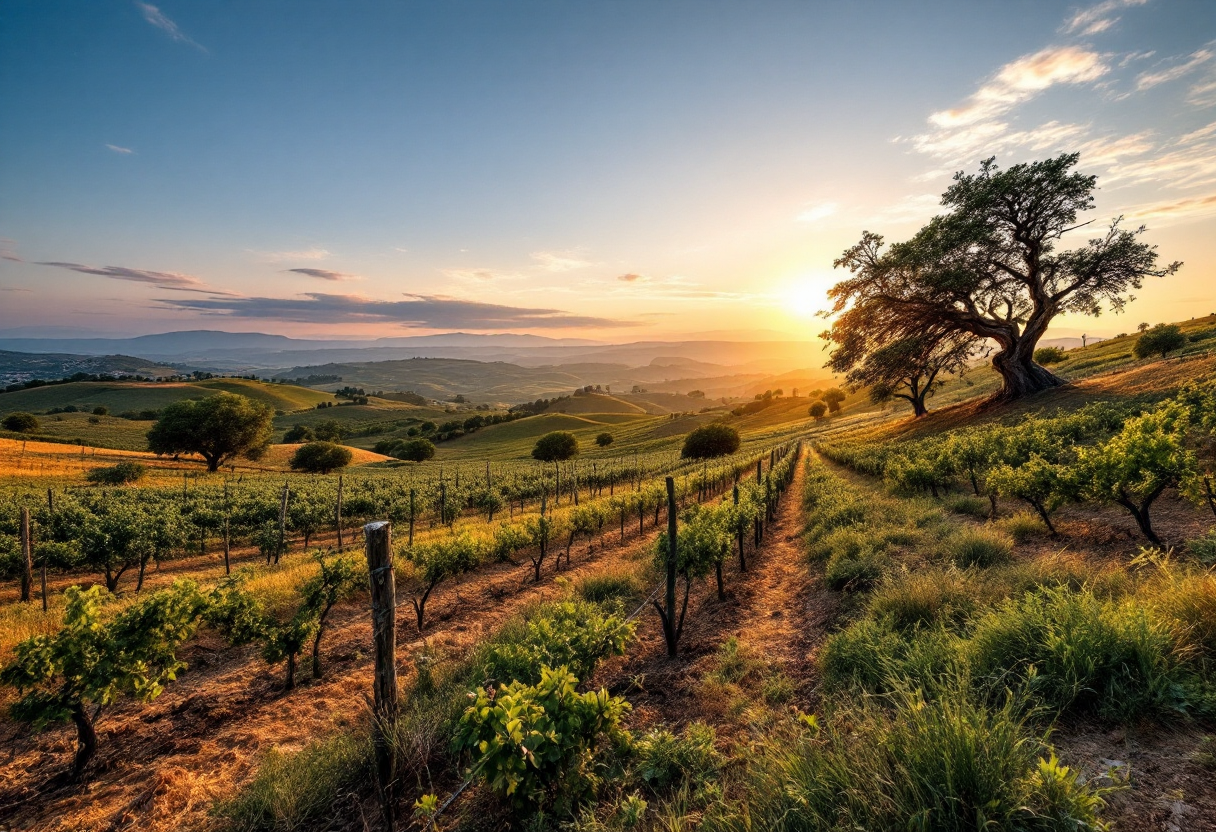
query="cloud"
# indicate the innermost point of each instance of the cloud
(1180, 210)
(126, 151)
(165, 280)
(14, 289)
(325, 274)
(814, 213)
(158, 19)
(1098, 18)
(959, 132)
(1203, 93)
(282, 256)
(1148, 80)
(421, 311)
(478, 274)
(632, 277)
(560, 261)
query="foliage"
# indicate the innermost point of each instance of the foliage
(979, 547)
(20, 422)
(912, 368)
(415, 450)
(91, 663)
(536, 744)
(124, 473)
(435, 562)
(817, 410)
(320, 458)
(710, 441)
(604, 439)
(556, 446)
(219, 428)
(298, 434)
(1049, 355)
(989, 267)
(1160, 340)
(666, 760)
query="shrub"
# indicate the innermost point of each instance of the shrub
(1078, 651)
(709, 441)
(20, 422)
(666, 761)
(556, 446)
(604, 440)
(924, 597)
(298, 434)
(1049, 355)
(415, 450)
(817, 410)
(101, 410)
(1021, 526)
(968, 505)
(872, 656)
(855, 573)
(320, 458)
(1160, 340)
(291, 788)
(535, 744)
(979, 547)
(621, 586)
(123, 473)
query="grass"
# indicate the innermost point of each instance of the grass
(979, 547)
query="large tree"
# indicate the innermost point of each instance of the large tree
(990, 267)
(218, 428)
(911, 368)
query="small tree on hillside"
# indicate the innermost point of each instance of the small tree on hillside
(20, 422)
(415, 450)
(833, 398)
(297, 434)
(320, 458)
(1160, 340)
(557, 446)
(604, 440)
(818, 410)
(218, 428)
(912, 368)
(709, 441)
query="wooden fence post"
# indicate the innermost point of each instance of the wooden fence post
(338, 513)
(27, 556)
(384, 640)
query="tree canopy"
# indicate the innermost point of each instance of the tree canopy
(911, 368)
(20, 422)
(557, 446)
(320, 458)
(990, 267)
(709, 441)
(1159, 340)
(218, 428)
(415, 450)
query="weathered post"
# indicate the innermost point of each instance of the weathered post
(759, 528)
(50, 507)
(742, 557)
(27, 556)
(413, 493)
(443, 502)
(384, 641)
(278, 552)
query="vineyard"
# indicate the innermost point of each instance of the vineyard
(988, 616)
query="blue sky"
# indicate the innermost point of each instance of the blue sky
(623, 170)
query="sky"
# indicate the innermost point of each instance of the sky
(608, 169)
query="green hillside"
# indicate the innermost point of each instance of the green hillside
(121, 396)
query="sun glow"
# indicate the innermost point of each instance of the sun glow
(804, 297)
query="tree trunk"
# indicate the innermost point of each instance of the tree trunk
(718, 574)
(86, 739)
(1019, 374)
(1140, 512)
(291, 672)
(384, 639)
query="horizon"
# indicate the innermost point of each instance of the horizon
(611, 172)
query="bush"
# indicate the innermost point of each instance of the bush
(297, 434)
(666, 761)
(20, 422)
(1160, 340)
(968, 505)
(415, 450)
(924, 597)
(101, 410)
(604, 440)
(123, 473)
(818, 410)
(1021, 526)
(979, 547)
(1080, 652)
(855, 573)
(292, 788)
(1049, 355)
(709, 441)
(557, 446)
(535, 744)
(320, 458)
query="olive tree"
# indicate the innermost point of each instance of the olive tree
(320, 458)
(218, 428)
(912, 368)
(991, 267)
(709, 441)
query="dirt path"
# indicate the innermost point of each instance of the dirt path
(778, 611)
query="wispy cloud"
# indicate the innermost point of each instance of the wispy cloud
(15, 289)
(126, 151)
(1148, 80)
(164, 280)
(7, 251)
(1178, 210)
(161, 21)
(1098, 18)
(814, 213)
(313, 253)
(632, 277)
(324, 274)
(1203, 92)
(476, 275)
(417, 311)
(560, 261)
